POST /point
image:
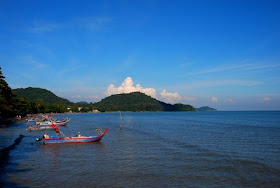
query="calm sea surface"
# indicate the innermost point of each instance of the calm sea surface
(161, 149)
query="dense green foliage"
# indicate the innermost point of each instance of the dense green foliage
(128, 102)
(37, 100)
(137, 102)
(29, 101)
(183, 107)
(36, 94)
(8, 100)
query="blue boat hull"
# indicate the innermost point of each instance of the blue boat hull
(57, 140)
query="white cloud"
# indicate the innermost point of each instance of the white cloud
(128, 87)
(170, 97)
(230, 100)
(237, 67)
(35, 64)
(76, 96)
(42, 26)
(88, 23)
(188, 98)
(214, 99)
(93, 23)
(221, 83)
(217, 69)
(266, 99)
(94, 97)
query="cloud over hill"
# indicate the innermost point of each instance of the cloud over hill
(128, 86)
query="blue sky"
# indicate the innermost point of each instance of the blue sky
(223, 54)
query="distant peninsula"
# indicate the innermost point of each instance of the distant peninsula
(205, 109)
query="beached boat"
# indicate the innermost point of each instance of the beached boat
(61, 139)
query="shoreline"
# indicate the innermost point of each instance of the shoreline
(5, 158)
(6, 122)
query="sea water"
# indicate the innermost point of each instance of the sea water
(152, 149)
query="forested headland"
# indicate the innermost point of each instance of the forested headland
(137, 102)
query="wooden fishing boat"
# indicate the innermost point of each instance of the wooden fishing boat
(61, 139)
(55, 122)
(61, 122)
(43, 123)
(40, 128)
(32, 120)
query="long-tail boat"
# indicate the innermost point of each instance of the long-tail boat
(55, 122)
(41, 128)
(62, 122)
(60, 138)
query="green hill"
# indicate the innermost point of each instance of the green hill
(35, 94)
(205, 109)
(134, 102)
(137, 102)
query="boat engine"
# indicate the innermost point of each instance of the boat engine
(38, 139)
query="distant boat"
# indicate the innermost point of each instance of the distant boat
(32, 120)
(55, 122)
(43, 123)
(61, 139)
(38, 119)
(61, 122)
